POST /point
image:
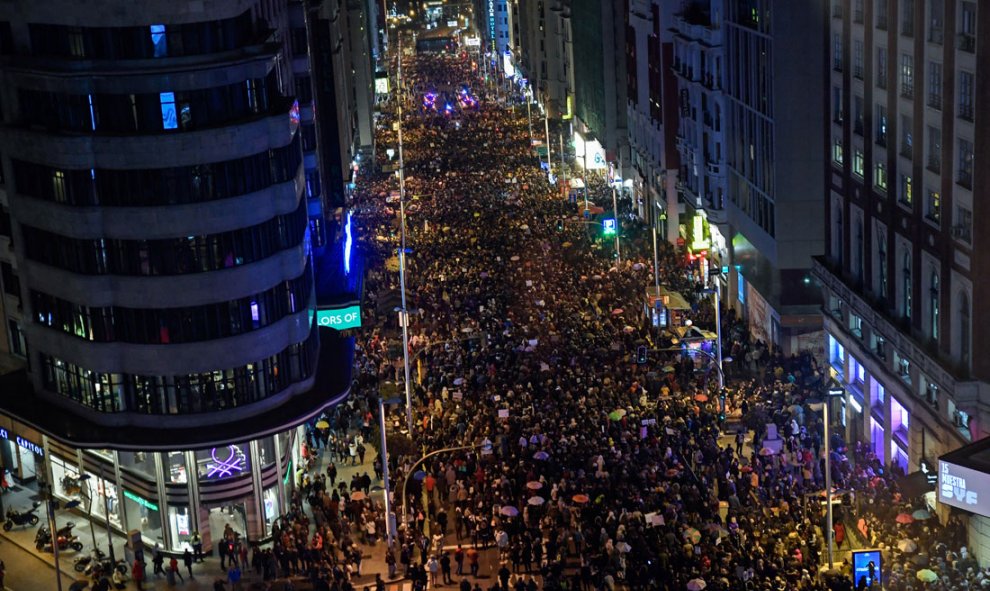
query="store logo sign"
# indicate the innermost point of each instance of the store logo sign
(140, 500)
(229, 466)
(341, 318)
(28, 445)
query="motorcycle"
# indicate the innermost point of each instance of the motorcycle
(64, 538)
(81, 563)
(21, 517)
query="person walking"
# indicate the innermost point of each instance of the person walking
(433, 565)
(445, 568)
(137, 573)
(187, 559)
(459, 559)
(197, 544)
(157, 560)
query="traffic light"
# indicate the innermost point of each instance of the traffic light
(608, 226)
(560, 225)
(641, 357)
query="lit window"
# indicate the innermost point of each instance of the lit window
(159, 41)
(169, 117)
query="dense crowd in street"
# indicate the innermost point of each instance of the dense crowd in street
(583, 469)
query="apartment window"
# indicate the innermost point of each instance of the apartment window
(966, 95)
(934, 149)
(837, 52)
(881, 125)
(934, 205)
(935, 85)
(858, 162)
(907, 75)
(964, 329)
(836, 9)
(965, 175)
(159, 40)
(858, 115)
(880, 176)
(933, 294)
(906, 285)
(963, 230)
(907, 18)
(907, 196)
(858, 11)
(881, 76)
(882, 263)
(936, 21)
(907, 137)
(837, 114)
(837, 151)
(967, 26)
(881, 12)
(858, 59)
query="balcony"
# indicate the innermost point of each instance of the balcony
(966, 42)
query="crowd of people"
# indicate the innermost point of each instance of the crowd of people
(574, 466)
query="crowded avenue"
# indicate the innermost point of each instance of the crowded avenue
(588, 451)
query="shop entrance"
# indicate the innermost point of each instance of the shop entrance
(233, 515)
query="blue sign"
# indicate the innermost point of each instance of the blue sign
(866, 568)
(28, 445)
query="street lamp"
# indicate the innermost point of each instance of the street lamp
(824, 407)
(88, 497)
(412, 470)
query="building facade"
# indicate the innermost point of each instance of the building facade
(901, 270)
(158, 218)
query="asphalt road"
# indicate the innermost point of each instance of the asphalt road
(26, 571)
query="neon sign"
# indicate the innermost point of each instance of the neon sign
(233, 464)
(491, 22)
(347, 245)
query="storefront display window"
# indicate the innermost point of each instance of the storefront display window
(269, 501)
(65, 475)
(266, 451)
(143, 514)
(222, 462)
(138, 462)
(174, 463)
(180, 527)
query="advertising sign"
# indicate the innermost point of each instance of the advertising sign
(964, 488)
(472, 42)
(381, 84)
(594, 157)
(491, 23)
(510, 70)
(340, 318)
(866, 568)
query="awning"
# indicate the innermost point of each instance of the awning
(670, 299)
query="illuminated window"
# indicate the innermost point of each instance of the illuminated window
(159, 41)
(169, 116)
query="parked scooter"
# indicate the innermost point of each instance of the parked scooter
(21, 517)
(64, 537)
(82, 563)
(105, 568)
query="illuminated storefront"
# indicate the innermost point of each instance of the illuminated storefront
(169, 495)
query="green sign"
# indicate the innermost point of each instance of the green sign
(340, 318)
(140, 501)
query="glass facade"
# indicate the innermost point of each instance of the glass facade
(129, 484)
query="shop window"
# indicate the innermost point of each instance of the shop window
(175, 463)
(269, 500)
(836, 353)
(858, 372)
(138, 462)
(180, 527)
(900, 420)
(877, 395)
(144, 515)
(877, 437)
(266, 451)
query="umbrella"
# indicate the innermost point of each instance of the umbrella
(701, 397)
(617, 414)
(458, 381)
(907, 545)
(568, 245)
(541, 455)
(509, 511)
(668, 369)
(921, 514)
(766, 451)
(904, 518)
(580, 499)
(746, 469)
(617, 311)
(596, 277)
(926, 575)
(672, 472)
(692, 535)
(358, 495)
(638, 267)
(623, 547)
(419, 475)
(534, 485)
(322, 425)
(514, 258)
(696, 584)
(524, 227)
(628, 329)
(920, 560)
(536, 501)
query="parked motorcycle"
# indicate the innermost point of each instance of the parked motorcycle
(64, 537)
(105, 568)
(21, 517)
(81, 563)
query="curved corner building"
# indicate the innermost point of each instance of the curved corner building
(154, 179)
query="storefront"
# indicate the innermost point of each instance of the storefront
(167, 496)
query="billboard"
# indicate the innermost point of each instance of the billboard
(867, 568)
(594, 158)
(964, 488)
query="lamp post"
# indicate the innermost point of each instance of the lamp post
(546, 129)
(615, 212)
(89, 505)
(529, 115)
(389, 516)
(829, 531)
(718, 330)
(404, 313)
